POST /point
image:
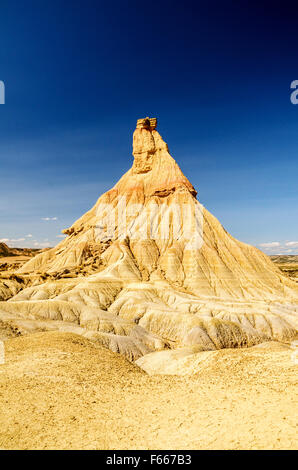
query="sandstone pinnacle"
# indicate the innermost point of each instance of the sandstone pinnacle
(148, 270)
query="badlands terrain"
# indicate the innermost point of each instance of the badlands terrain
(148, 326)
(288, 264)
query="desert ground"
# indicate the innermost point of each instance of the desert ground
(59, 390)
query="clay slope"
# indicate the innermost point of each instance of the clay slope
(153, 270)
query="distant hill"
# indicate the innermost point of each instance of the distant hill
(288, 264)
(6, 251)
(284, 259)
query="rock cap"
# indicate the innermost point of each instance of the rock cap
(147, 123)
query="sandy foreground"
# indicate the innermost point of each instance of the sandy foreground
(60, 391)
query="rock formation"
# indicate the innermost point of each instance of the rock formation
(149, 269)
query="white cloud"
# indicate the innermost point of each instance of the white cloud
(41, 244)
(60, 236)
(29, 235)
(19, 242)
(269, 245)
(292, 244)
(49, 218)
(279, 248)
(12, 240)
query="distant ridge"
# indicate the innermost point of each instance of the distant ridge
(6, 251)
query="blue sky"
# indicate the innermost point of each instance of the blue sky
(216, 74)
